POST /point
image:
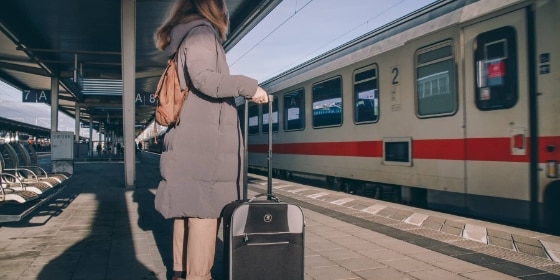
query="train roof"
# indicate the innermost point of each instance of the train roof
(435, 16)
(8, 125)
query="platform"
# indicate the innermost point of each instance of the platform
(96, 229)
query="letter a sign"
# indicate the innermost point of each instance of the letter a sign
(44, 96)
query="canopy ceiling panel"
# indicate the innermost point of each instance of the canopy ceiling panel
(80, 42)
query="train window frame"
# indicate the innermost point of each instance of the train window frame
(394, 143)
(375, 78)
(285, 108)
(275, 124)
(259, 118)
(506, 92)
(446, 61)
(313, 95)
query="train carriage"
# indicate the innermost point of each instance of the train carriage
(454, 107)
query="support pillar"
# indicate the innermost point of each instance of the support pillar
(128, 43)
(62, 148)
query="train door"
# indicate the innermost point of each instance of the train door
(497, 117)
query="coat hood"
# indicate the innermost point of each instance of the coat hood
(180, 31)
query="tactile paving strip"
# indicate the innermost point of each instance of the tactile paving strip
(433, 228)
(436, 235)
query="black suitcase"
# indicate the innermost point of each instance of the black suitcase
(263, 237)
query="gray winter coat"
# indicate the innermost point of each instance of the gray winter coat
(202, 159)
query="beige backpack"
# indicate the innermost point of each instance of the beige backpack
(169, 96)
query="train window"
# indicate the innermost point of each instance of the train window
(274, 117)
(496, 69)
(327, 103)
(253, 119)
(294, 110)
(436, 93)
(366, 95)
(397, 151)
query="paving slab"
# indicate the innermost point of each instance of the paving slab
(96, 229)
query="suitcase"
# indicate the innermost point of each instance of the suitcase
(263, 236)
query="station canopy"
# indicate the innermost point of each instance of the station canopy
(80, 42)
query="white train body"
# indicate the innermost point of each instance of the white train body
(456, 106)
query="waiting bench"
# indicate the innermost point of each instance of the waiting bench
(25, 187)
(25, 161)
(21, 174)
(12, 188)
(27, 176)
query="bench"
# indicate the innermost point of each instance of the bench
(25, 176)
(13, 189)
(34, 161)
(24, 188)
(25, 161)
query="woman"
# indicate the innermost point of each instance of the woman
(202, 159)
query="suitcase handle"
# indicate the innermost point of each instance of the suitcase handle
(269, 197)
(246, 151)
(269, 158)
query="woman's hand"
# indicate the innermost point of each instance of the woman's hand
(261, 96)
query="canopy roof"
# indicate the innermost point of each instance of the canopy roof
(80, 42)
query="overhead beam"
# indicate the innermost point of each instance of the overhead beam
(100, 104)
(11, 81)
(24, 69)
(20, 48)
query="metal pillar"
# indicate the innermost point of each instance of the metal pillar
(54, 104)
(77, 124)
(128, 43)
(91, 147)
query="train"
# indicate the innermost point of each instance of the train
(454, 107)
(153, 144)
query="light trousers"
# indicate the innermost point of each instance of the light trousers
(194, 246)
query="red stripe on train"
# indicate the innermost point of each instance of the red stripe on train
(475, 149)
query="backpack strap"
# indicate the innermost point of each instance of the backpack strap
(180, 68)
(180, 61)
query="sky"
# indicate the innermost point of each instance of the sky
(12, 107)
(299, 30)
(294, 32)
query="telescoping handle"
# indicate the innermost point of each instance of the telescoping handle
(269, 159)
(246, 148)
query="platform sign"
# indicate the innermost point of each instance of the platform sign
(36, 96)
(86, 125)
(62, 145)
(145, 99)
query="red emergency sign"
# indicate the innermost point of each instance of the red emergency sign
(496, 69)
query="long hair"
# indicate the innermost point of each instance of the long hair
(215, 11)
